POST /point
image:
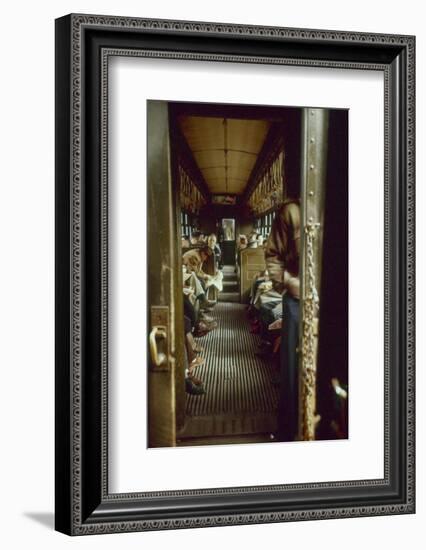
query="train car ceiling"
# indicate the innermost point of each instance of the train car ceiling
(225, 149)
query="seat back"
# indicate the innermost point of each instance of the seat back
(252, 260)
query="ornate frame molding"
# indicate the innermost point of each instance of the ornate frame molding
(72, 46)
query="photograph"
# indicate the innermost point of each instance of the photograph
(260, 213)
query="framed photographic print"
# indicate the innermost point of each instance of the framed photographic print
(234, 274)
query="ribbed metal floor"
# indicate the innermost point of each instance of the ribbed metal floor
(240, 398)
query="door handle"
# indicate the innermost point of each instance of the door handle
(157, 332)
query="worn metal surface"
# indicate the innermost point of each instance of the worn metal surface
(314, 166)
(163, 277)
(240, 397)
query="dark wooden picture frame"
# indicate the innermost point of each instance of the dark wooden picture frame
(83, 46)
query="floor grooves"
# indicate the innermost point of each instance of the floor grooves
(240, 398)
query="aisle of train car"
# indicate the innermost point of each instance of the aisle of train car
(240, 400)
(222, 179)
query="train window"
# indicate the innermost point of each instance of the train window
(264, 224)
(185, 223)
(182, 223)
(269, 224)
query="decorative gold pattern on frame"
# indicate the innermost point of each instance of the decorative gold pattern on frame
(338, 38)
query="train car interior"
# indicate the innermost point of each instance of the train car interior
(231, 170)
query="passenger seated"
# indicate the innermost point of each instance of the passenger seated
(193, 385)
(215, 248)
(241, 243)
(265, 308)
(260, 284)
(193, 261)
(185, 241)
(252, 241)
(195, 238)
(196, 305)
(196, 323)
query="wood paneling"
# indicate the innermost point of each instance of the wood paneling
(252, 261)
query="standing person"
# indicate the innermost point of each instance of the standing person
(282, 262)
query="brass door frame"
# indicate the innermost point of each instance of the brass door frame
(314, 146)
(165, 317)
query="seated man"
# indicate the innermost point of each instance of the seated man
(265, 308)
(193, 261)
(195, 238)
(194, 294)
(242, 242)
(252, 240)
(282, 262)
(193, 385)
(212, 242)
(185, 241)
